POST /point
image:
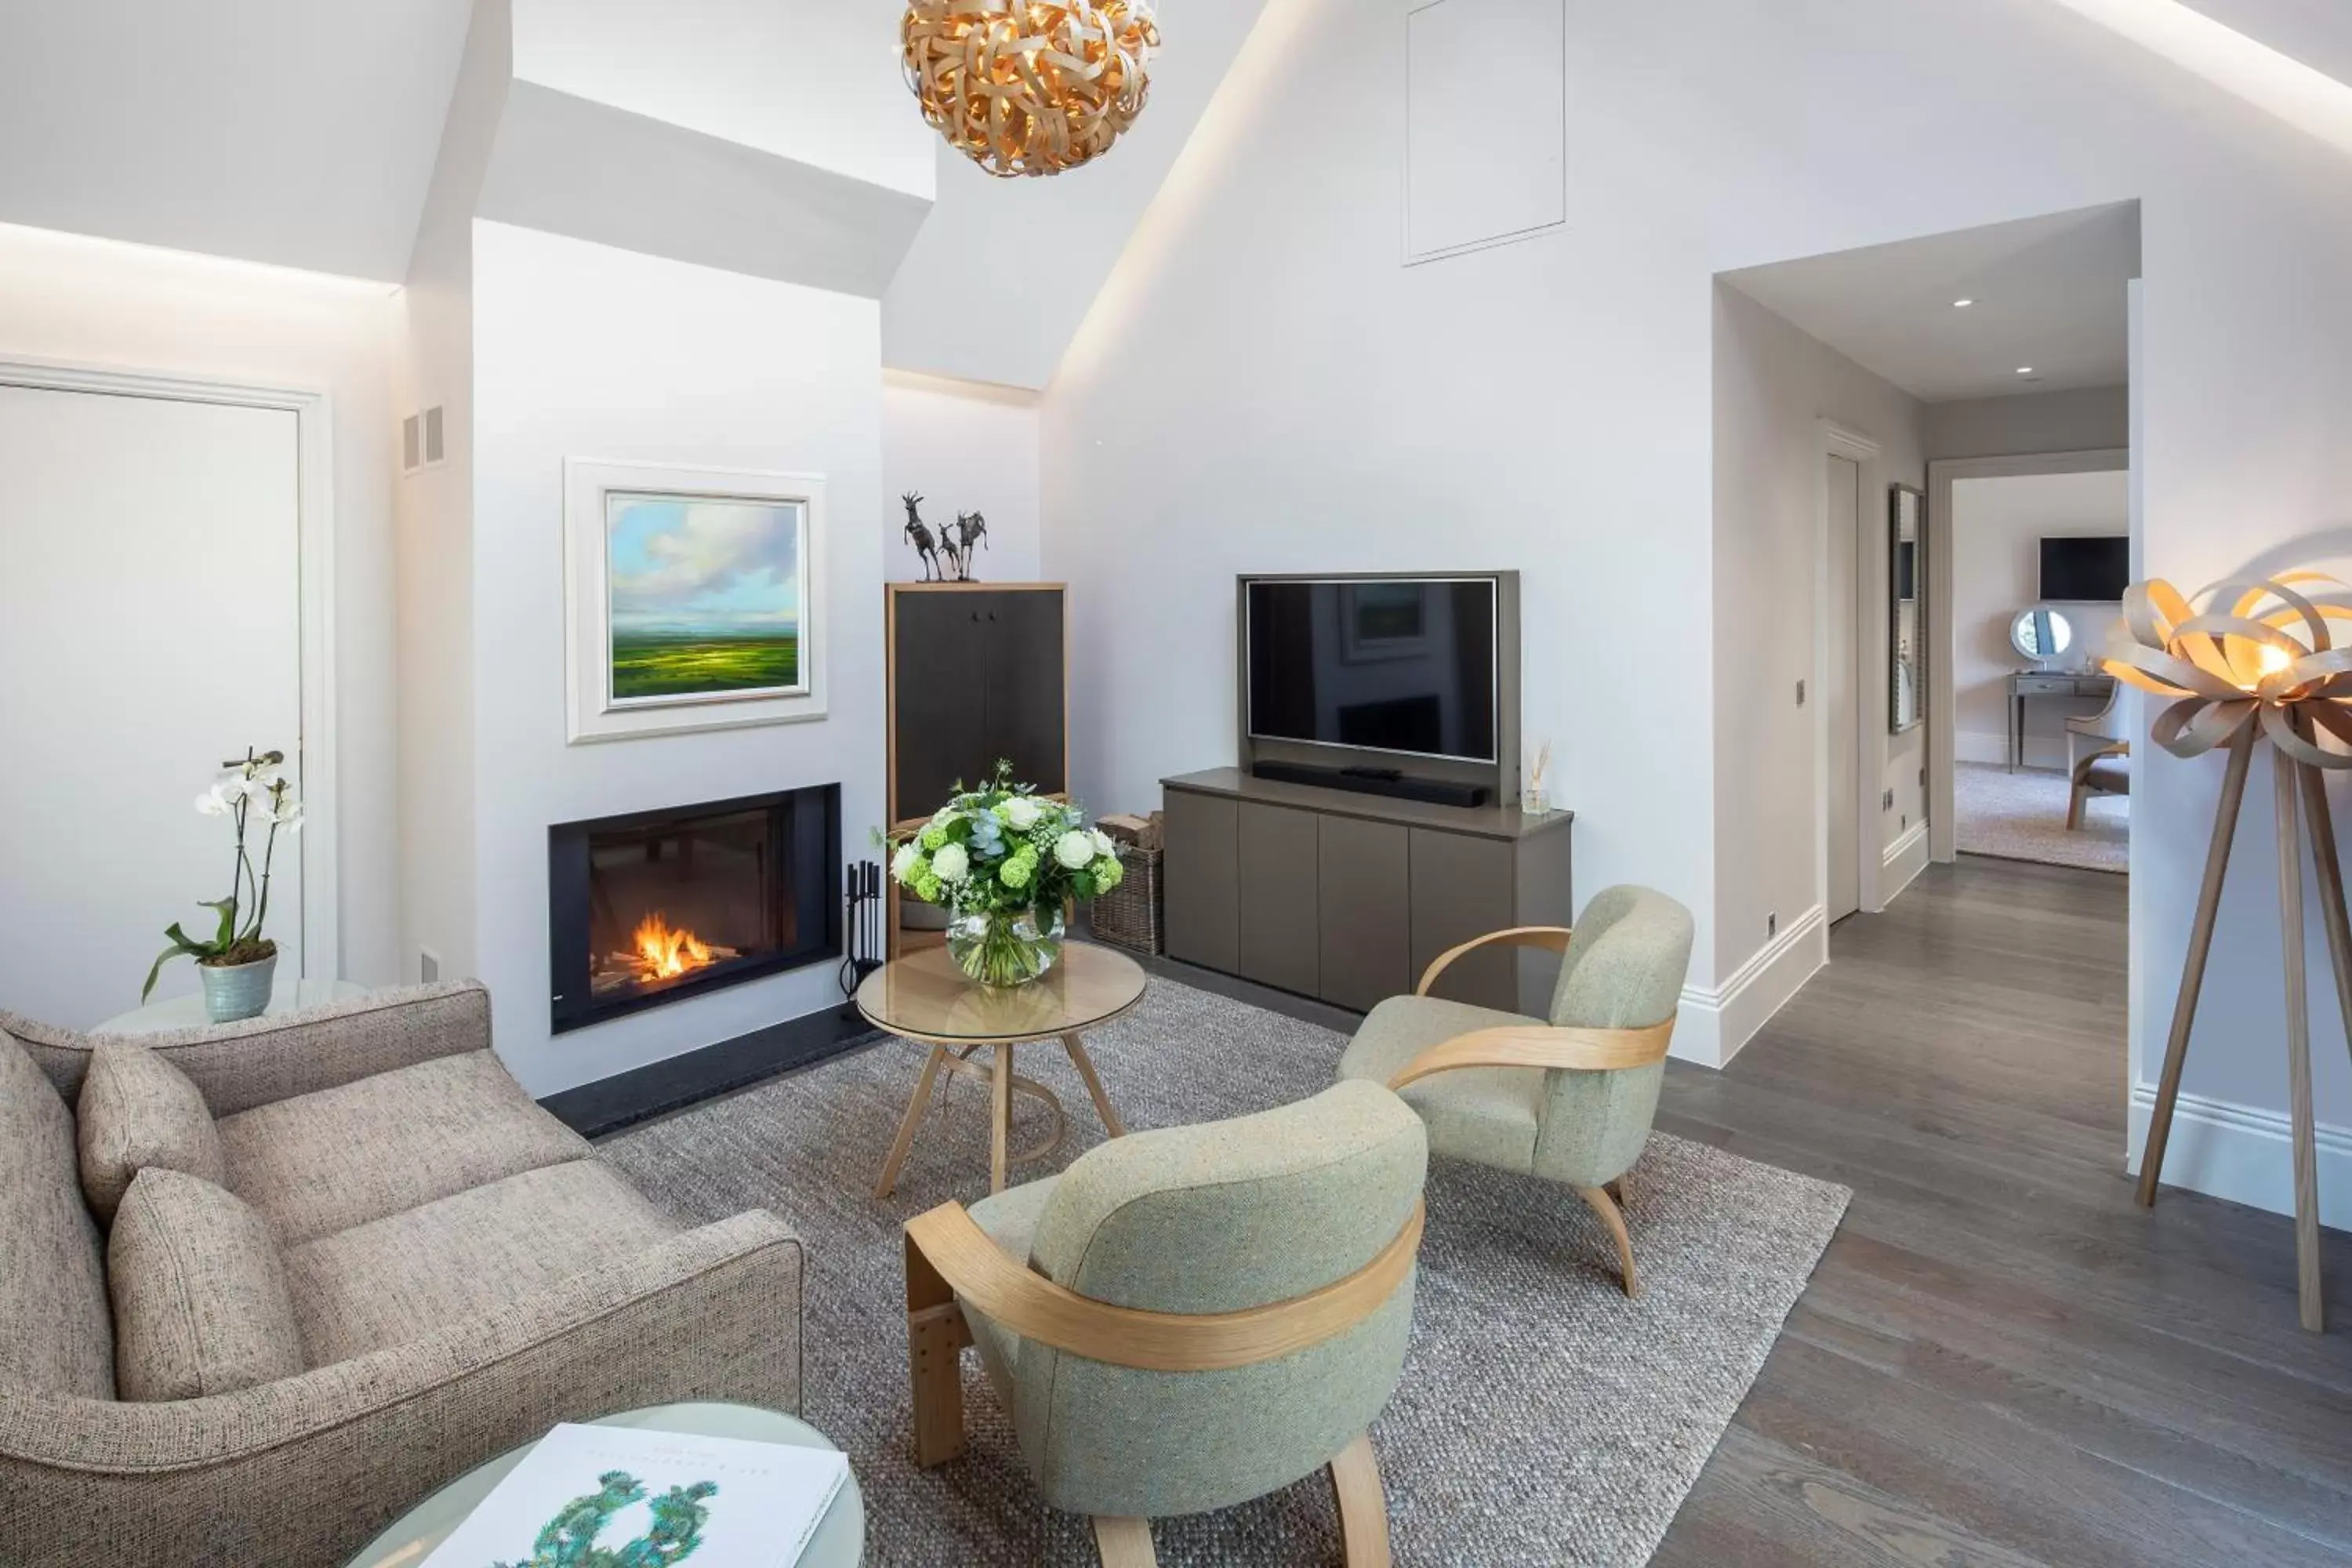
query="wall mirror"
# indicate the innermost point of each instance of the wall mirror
(2042, 633)
(1906, 645)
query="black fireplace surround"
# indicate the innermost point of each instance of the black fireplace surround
(654, 906)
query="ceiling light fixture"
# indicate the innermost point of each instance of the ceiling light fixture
(1028, 87)
(1962, 304)
(2025, 370)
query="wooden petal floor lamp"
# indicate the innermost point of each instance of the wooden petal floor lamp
(2246, 662)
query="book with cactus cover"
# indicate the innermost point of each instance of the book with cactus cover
(615, 1497)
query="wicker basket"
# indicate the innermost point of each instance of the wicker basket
(1129, 916)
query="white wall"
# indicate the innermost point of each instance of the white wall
(2092, 419)
(1775, 385)
(814, 80)
(964, 447)
(1997, 526)
(1261, 385)
(584, 351)
(96, 302)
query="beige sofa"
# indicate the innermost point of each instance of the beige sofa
(433, 1269)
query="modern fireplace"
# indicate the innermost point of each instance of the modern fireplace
(656, 905)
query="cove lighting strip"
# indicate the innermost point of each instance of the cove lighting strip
(2277, 84)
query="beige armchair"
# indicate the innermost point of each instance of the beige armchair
(1568, 1099)
(1185, 1319)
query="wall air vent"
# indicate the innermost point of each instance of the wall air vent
(422, 441)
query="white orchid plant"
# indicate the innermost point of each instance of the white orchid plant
(250, 793)
(1005, 849)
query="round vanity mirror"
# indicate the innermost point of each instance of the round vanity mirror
(2042, 633)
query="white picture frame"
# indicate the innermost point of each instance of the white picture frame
(596, 712)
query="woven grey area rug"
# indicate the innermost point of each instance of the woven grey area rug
(2021, 815)
(1543, 1418)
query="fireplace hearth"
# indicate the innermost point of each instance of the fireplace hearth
(657, 905)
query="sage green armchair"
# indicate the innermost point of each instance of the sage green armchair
(1187, 1319)
(1569, 1099)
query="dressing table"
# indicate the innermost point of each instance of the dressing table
(2045, 634)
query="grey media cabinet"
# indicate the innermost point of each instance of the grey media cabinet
(1348, 897)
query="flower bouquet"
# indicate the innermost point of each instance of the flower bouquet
(1004, 861)
(237, 962)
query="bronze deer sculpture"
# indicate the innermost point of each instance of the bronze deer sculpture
(971, 532)
(919, 536)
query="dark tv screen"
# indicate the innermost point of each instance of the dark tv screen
(2094, 568)
(1378, 664)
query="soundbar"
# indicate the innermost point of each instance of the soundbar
(1374, 780)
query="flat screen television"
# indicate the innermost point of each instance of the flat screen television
(2091, 568)
(1406, 665)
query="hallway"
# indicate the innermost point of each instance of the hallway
(2001, 1359)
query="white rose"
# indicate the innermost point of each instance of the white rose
(1075, 850)
(952, 864)
(1103, 845)
(903, 864)
(1021, 813)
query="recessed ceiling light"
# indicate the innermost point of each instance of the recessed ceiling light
(1962, 304)
(2025, 370)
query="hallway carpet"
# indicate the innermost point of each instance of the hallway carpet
(1543, 1418)
(2023, 816)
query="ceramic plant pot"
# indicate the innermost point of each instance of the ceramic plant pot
(238, 990)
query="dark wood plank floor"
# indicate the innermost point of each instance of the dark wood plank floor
(2001, 1358)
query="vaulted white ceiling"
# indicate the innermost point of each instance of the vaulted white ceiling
(295, 132)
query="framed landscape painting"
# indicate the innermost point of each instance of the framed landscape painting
(692, 598)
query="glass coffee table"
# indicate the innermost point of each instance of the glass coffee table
(923, 997)
(839, 1540)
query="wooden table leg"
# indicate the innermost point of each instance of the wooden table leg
(2298, 1049)
(1085, 1064)
(908, 1124)
(1000, 1117)
(2192, 968)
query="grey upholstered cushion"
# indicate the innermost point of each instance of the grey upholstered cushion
(1625, 969)
(407, 1275)
(1010, 1218)
(1206, 1219)
(138, 1110)
(55, 1334)
(326, 1162)
(1491, 1115)
(200, 1304)
(280, 1055)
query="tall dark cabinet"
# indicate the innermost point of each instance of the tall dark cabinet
(976, 671)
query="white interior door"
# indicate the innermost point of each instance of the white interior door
(149, 629)
(1841, 700)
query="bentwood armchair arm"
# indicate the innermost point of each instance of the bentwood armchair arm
(1574, 1050)
(1553, 939)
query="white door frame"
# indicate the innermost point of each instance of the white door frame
(315, 545)
(1842, 441)
(1941, 474)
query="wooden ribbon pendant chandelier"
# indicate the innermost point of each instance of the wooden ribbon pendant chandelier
(1030, 86)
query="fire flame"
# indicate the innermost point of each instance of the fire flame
(668, 952)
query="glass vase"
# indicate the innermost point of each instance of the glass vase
(1004, 948)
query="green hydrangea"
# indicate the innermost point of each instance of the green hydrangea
(934, 836)
(927, 888)
(1108, 873)
(1019, 867)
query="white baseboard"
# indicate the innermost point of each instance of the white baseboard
(1905, 858)
(2243, 1154)
(1715, 1022)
